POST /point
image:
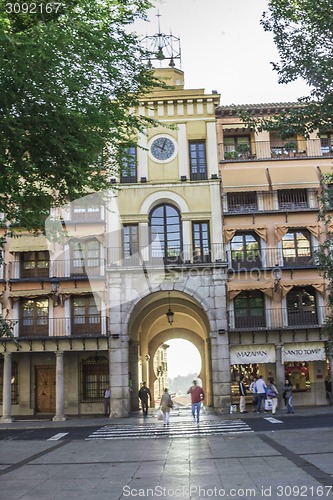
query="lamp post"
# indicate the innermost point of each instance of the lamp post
(169, 314)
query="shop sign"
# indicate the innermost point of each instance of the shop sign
(311, 351)
(247, 354)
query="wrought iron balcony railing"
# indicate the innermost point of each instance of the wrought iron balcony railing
(270, 258)
(267, 150)
(173, 256)
(76, 326)
(70, 268)
(278, 318)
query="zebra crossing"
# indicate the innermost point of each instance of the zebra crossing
(182, 429)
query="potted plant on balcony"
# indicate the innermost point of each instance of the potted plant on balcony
(243, 150)
(230, 155)
(291, 148)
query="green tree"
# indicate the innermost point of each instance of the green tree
(69, 74)
(303, 35)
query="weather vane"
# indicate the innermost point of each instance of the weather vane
(161, 47)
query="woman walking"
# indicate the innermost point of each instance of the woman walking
(288, 396)
(166, 405)
(272, 393)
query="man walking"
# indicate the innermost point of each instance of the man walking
(106, 400)
(144, 395)
(261, 390)
(242, 395)
(197, 396)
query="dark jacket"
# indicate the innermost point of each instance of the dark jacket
(144, 394)
(242, 388)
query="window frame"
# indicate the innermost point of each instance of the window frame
(201, 245)
(169, 255)
(129, 173)
(198, 160)
(86, 324)
(249, 319)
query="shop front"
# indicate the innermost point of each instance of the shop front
(250, 361)
(306, 368)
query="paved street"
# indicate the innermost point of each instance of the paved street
(139, 458)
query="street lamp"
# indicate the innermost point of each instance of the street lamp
(169, 314)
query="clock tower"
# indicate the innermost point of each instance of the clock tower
(170, 256)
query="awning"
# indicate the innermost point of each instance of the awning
(282, 229)
(287, 285)
(309, 351)
(75, 291)
(248, 354)
(29, 293)
(229, 232)
(236, 287)
(28, 243)
(290, 177)
(244, 179)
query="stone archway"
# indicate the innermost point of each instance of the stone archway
(149, 328)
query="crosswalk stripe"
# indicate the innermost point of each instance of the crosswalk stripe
(174, 430)
(58, 436)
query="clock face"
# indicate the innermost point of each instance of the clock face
(162, 149)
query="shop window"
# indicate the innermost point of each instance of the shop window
(198, 163)
(34, 317)
(14, 382)
(249, 309)
(94, 379)
(301, 307)
(248, 371)
(298, 375)
(245, 251)
(296, 248)
(35, 264)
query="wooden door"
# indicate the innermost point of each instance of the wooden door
(45, 389)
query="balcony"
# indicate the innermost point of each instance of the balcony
(185, 256)
(93, 325)
(270, 258)
(70, 268)
(272, 319)
(267, 150)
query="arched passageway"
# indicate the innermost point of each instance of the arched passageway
(149, 329)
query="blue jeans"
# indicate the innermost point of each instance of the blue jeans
(290, 408)
(261, 397)
(196, 406)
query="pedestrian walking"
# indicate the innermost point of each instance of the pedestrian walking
(328, 388)
(288, 396)
(106, 400)
(166, 405)
(242, 395)
(261, 390)
(254, 395)
(272, 393)
(197, 396)
(144, 396)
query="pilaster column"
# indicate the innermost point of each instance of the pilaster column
(60, 402)
(7, 390)
(118, 362)
(280, 376)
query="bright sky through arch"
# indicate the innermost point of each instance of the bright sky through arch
(224, 48)
(183, 358)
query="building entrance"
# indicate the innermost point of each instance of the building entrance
(45, 389)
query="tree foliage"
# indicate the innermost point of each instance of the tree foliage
(68, 79)
(303, 35)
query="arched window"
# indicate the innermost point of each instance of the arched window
(166, 234)
(249, 309)
(301, 306)
(296, 248)
(245, 251)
